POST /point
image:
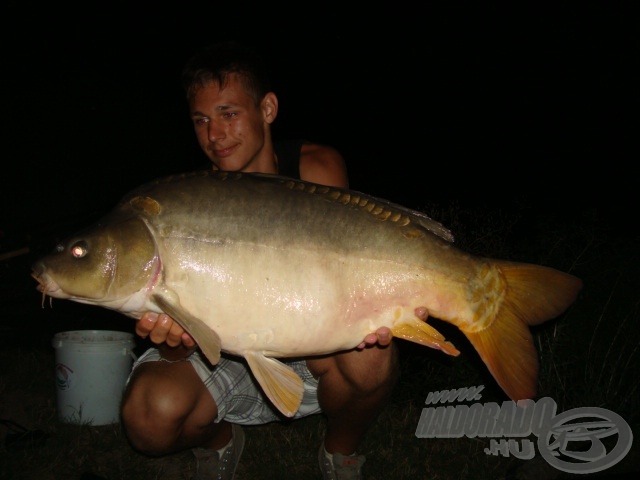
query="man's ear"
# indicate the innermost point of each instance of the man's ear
(269, 107)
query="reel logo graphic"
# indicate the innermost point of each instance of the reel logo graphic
(64, 377)
(560, 437)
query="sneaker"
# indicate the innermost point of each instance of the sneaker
(209, 466)
(340, 467)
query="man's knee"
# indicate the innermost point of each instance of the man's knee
(366, 371)
(377, 369)
(154, 406)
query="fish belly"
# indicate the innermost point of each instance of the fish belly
(296, 301)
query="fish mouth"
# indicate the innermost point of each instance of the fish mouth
(46, 285)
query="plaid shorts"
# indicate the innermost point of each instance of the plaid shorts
(239, 397)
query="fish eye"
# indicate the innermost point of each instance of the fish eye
(79, 249)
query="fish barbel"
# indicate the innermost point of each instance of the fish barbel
(266, 267)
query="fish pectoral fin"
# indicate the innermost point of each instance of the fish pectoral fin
(421, 332)
(281, 383)
(206, 338)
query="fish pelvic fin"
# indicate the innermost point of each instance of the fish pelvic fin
(280, 382)
(206, 338)
(533, 294)
(421, 332)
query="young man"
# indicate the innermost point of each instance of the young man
(175, 399)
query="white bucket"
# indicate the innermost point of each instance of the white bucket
(91, 371)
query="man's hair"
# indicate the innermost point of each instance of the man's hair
(217, 62)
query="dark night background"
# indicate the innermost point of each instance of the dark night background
(442, 101)
(524, 108)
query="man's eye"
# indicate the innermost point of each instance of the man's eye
(229, 115)
(200, 121)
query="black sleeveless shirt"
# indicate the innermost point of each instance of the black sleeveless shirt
(288, 153)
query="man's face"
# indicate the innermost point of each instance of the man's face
(229, 126)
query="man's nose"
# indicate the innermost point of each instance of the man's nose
(215, 131)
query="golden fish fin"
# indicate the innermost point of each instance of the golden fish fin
(533, 294)
(506, 347)
(421, 332)
(206, 338)
(538, 293)
(280, 382)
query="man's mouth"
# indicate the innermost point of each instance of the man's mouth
(223, 152)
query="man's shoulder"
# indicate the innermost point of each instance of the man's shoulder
(314, 162)
(323, 164)
(321, 156)
(319, 151)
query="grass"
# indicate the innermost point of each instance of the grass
(589, 357)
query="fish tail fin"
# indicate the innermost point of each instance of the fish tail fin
(533, 295)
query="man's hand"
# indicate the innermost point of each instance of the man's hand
(173, 342)
(382, 337)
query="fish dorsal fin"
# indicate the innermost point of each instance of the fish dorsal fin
(280, 383)
(421, 332)
(206, 338)
(378, 207)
